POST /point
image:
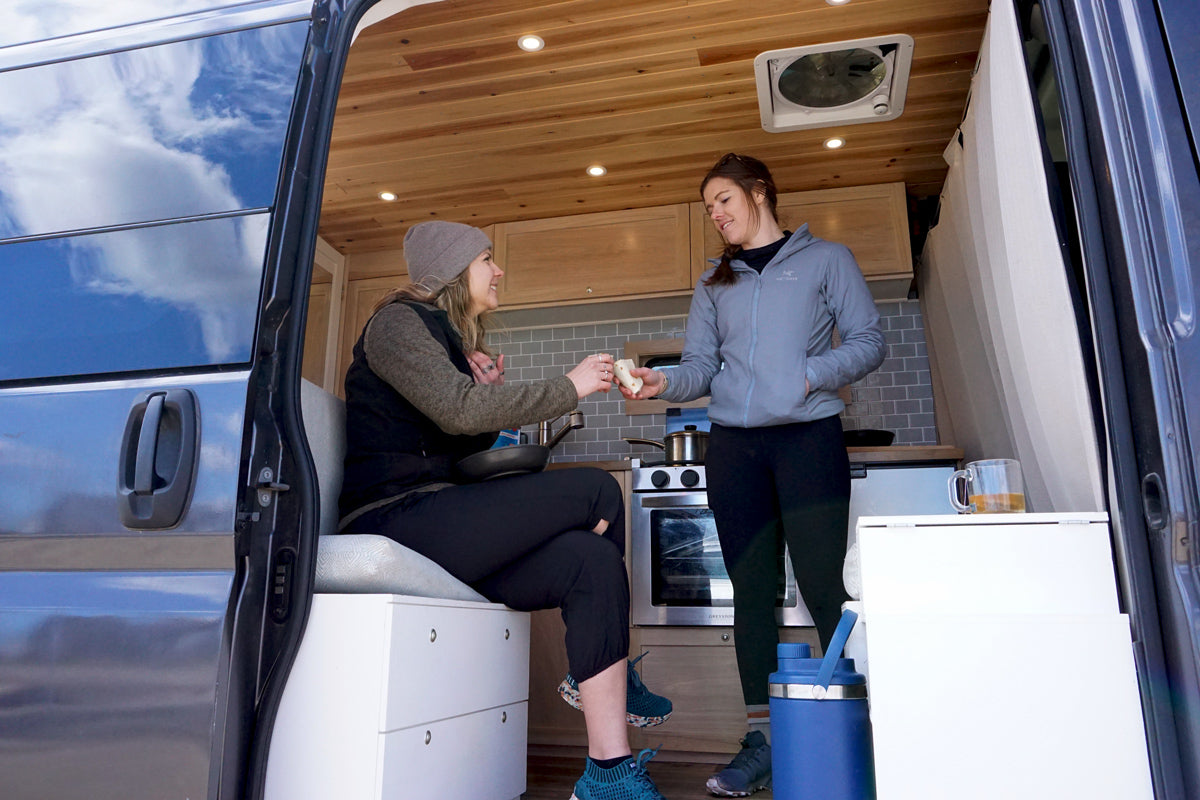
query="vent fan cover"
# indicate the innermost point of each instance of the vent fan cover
(838, 83)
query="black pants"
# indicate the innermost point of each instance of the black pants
(527, 541)
(763, 483)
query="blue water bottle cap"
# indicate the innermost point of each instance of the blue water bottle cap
(794, 650)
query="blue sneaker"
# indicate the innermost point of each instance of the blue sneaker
(749, 771)
(643, 708)
(626, 781)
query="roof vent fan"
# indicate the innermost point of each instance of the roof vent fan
(838, 83)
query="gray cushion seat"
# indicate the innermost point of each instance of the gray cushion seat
(361, 563)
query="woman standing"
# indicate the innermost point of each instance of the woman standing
(760, 342)
(422, 393)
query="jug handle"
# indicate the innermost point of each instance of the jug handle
(836, 645)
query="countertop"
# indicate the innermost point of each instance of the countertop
(621, 465)
(895, 454)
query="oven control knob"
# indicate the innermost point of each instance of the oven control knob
(660, 478)
(689, 478)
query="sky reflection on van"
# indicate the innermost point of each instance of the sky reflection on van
(36, 20)
(160, 133)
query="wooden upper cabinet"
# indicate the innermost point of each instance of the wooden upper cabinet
(871, 220)
(589, 257)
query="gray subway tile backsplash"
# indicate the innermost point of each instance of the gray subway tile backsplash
(897, 397)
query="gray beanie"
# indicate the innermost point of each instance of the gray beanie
(437, 252)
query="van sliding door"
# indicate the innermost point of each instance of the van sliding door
(151, 576)
(1128, 87)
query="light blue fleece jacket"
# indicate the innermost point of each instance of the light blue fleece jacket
(771, 331)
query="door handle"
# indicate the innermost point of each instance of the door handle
(158, 459)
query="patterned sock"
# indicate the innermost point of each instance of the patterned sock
(758, 718)
(609, 763)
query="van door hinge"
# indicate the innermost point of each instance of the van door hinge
(267, 486)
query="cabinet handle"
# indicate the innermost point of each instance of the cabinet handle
(433, 634)
(428, 737)
(503, 717)
(589, 290)
(724, 637)
(506, 634)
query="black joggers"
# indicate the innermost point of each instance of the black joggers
(763, 483)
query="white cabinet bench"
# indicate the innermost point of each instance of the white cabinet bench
(394, 696)
(407, 683)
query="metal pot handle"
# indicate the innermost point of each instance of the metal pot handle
(659, 445)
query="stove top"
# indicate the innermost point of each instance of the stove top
(653, 475)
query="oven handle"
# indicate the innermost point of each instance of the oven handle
(681, 500)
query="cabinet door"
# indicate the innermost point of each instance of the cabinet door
(361, 297)
(453, 659)
(871, 220)
(316, 334)
(697, 669)
(594, 256)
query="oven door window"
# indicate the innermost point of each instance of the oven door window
(687, 566)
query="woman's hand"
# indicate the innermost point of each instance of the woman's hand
(652, 384)
(485, 370)
(594, 374)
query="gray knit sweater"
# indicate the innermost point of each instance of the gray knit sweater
(400, 349)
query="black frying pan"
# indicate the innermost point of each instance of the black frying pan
(868, 437)
(500, 462)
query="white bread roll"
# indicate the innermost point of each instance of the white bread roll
(621, 369)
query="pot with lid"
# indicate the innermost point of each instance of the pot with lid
(687, 446)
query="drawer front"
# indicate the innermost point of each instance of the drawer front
(446, 661)
(478, 756)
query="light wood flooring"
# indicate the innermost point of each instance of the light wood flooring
(679, 776)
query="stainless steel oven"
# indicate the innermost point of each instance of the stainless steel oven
(677, 572)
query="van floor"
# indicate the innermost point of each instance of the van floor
(552, 772)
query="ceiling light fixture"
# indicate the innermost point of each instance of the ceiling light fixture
(834, 142)
(388, 196)
(597, 170)
(837, 2)
(531, 43)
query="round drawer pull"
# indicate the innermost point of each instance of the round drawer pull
(724, 637)
(589, 290)
(428, 737)
(433, 634)
(506, 634)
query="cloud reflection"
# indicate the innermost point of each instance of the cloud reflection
(177, 130)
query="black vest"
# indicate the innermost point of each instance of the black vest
(391, 446)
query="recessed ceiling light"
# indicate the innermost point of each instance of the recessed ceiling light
(834, 142)
(531, 43)
(596, 170)
(388, 196)
(837, 2)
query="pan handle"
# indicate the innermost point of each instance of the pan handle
(659, 445)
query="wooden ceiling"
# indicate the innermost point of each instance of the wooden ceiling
(439, 106)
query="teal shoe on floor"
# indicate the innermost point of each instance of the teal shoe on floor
(626, 781)
(643, 708)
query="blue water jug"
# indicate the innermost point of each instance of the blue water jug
(820, 728)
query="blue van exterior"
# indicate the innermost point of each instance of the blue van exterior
(154, 214)
(160, 185)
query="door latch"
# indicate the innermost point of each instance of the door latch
(267, 486)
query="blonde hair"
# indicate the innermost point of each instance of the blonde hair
(455, 299)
